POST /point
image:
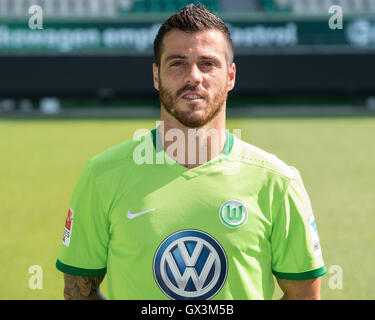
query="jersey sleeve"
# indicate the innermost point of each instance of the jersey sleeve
(296, 252)
(86, 233)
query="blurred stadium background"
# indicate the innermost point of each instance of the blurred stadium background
(83, 83)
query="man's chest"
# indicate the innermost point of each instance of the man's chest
(145, 215)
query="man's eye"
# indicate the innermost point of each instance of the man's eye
(176, 64)
(208, 64)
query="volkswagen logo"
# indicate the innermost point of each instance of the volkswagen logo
(191, 265)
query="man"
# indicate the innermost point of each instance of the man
(205, 215)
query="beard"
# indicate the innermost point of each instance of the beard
(189, 118)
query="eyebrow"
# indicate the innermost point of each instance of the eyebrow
(178, 56)
(175, 56)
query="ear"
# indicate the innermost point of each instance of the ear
(231, 76)
(155, 71)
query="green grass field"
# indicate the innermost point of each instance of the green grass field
(42, 159)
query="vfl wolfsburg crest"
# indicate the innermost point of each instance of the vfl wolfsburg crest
(190, 264)
(233, 214)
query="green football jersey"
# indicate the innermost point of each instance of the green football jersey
(221, 230)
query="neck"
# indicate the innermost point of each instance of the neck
(192, 147)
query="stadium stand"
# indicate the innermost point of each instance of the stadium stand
(69, 8)
(319, 6)
(64, 8)
(287, 47)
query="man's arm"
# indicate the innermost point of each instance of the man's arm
(300, 289)
(82, 288)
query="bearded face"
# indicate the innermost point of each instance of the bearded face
(194, 77)
(192, 114)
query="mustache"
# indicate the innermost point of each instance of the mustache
(188, 87)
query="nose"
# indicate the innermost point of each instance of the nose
(193, 75)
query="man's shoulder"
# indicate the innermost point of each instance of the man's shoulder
(120, 155)
(255, 156)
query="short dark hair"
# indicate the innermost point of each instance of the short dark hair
(192, 18)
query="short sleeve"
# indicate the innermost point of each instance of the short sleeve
(296, 251)
(86, 232)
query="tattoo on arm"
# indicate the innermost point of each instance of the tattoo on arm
(82, 288)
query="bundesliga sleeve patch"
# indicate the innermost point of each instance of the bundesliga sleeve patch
(68, 228)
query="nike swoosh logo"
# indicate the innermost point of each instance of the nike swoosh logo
(134, 215)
